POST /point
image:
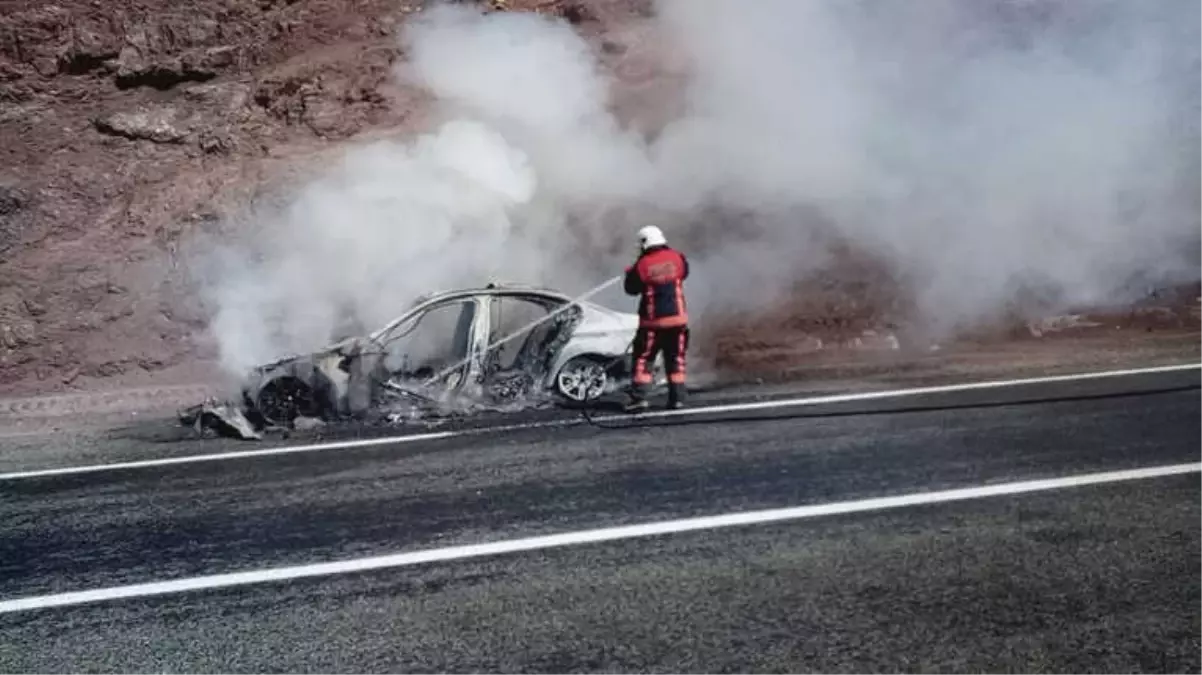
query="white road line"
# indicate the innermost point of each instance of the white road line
(582, 537)
(284, 450)
(701, 410)
(217, 457)
(916, 391)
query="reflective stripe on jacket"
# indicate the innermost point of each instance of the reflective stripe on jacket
(657, 277)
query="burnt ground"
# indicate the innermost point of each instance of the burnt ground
(128, 125)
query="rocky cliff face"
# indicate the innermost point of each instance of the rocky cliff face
(125, 124)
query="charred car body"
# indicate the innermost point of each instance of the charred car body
(438, 351)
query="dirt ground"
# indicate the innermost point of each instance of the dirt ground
(127, 125)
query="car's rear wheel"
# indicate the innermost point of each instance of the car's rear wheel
(283, 400)
(582, 378)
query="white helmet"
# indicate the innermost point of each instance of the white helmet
(651, 236)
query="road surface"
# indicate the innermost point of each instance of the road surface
(1040, 577)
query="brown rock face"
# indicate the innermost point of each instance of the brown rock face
(127, 124)
(122, 123)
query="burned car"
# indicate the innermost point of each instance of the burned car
(438, 350)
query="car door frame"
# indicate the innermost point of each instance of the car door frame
(549, 305)
(553, 304)
(477, 332)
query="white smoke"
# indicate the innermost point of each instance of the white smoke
(480, 198)
(537, 81)
(985, 149)
(366, 239)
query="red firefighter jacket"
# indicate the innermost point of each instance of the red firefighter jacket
(657, 277)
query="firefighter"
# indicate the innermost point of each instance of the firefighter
(657, 278)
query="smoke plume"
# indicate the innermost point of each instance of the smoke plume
(986, 150)
(983, 148)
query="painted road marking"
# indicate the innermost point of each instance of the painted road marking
(582, 537)
(719, 408)
(916, 391)
(267, 452)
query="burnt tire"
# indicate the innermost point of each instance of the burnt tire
(284, 399)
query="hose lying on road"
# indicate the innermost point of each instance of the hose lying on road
(667, 419)
(588, 401)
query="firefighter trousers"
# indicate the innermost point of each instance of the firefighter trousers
(648, 344)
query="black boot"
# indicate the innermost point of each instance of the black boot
(677, 396)
(638, 400)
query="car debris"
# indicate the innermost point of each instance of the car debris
(222, 418)
(452, 353)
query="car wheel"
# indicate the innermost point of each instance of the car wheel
(582, 378)
(282, 400)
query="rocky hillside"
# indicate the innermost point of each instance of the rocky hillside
(125, 124)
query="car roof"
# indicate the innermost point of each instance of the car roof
(493, 289)
(490, 289)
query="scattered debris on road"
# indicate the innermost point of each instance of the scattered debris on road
(222, 418)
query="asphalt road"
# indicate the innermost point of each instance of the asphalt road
(1089, 579)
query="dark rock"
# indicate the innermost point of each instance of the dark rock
(17, 328)
(217, 143)
(213, 59)
(9, 72)
(36, 38)
(200, 65)
(328, 118)
(89, 49)
(14, 214)
(285, 98)
(46, 66)
(160, 75)
(12, 199)
(576, 13)
(34, 308)
(612, 47)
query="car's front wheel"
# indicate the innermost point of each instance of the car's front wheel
(284, 399)
(583, 378)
